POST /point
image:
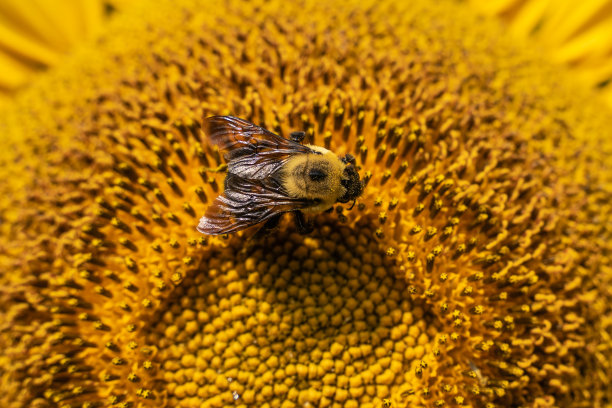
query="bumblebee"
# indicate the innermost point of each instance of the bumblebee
(269, 175)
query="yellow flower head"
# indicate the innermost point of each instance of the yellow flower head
(474, 271)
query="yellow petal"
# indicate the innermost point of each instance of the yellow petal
(14, 73)
(594, 44)
(32, 20)
(92, 14)
(496, 7)
(528, 17)
(577, 17)
(24, 47)
(64, 17)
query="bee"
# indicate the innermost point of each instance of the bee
(269, 175)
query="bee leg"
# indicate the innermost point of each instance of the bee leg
(267, 227)
(329, 210)
(297, 137)
(349, 159)
(303, 226)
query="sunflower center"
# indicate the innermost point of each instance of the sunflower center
(313, 320)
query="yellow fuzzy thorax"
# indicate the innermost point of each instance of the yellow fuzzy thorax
(297, 184)
(474, 270)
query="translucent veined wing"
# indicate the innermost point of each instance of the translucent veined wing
(252, 152)
(247, 202)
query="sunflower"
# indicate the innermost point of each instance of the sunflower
(474, 271)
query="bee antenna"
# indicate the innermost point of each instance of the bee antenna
(354, 201)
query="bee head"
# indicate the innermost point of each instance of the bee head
(350, 180)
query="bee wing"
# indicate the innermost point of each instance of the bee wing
(246, 202)
(252, 152)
